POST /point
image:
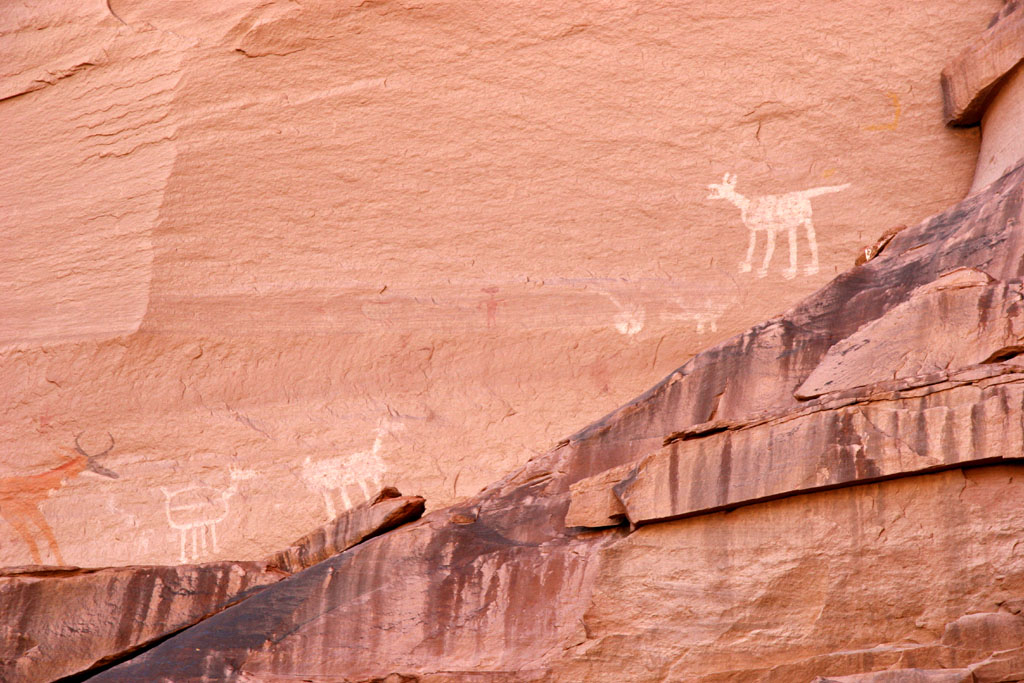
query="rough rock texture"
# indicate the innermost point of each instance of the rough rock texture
(1003, 146)
(286, 253)
(983, 85)
(906, 676)
(977, 417)
(919, 576)
(351, 528)
(958, 320)
(971, 80)
(833, 494)
(61, 621)
(592, 502)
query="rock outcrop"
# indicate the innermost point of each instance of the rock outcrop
(288, 253)
(917, 571)
(832, 495)
(389, 510)
(60, 622)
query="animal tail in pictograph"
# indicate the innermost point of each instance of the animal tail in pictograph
(827, 189)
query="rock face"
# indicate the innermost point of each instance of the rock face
(920, 576)
(975, 418)
(831, 495)
(61, 621)
(351, 528)
(288, 253)
(108, 614)
(958, 320)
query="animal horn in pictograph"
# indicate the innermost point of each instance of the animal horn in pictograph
(91, 463)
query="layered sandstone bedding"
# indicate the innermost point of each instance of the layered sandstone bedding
(339, 245)
(833, 494)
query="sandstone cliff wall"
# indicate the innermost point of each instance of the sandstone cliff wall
(265, 234)
(830, 495)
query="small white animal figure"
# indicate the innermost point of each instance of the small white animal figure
(706, 322)
(195, 511)
(629, 321)
(705, 318)
(363, 469)
(772, 214)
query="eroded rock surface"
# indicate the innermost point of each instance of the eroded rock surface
(61, 621)
(959, 319)
(973, 420)
(354, 526)
(832, 495)
(972, 79)
(287, 253)
(849, 581)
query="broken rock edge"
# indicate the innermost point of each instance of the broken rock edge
(523, 485)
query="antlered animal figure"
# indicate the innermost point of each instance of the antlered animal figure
(21, 496)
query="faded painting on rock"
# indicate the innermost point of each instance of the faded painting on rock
(772, 215)
(21, 496)
(350, 479)
(195, 511)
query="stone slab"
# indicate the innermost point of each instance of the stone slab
(960, 319)
(857, 443)
(592, 503)
(970, 80)
(62, 621)
(350, 528)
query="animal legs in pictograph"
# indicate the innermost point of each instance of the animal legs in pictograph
(812, 242)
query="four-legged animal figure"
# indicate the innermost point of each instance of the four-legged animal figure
(195, 511)
(21, 496)
(772, 214)
(363, 470)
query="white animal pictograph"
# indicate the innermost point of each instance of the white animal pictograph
(705, 322)
(194, 511)
(705, 318)
(340, 474)
(772, 214)
(629, 321)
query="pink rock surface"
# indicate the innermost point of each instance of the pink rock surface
(906, 676)
(67, 621)
(882, 580)
(960, 319)
(593, 503)
(971, 80)
(1002, 148)
(58, 622)
(382, 236)
(351, 528)
(905, 432)
(986, 631)
(246, 234)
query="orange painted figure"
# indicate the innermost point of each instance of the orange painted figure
(491, 305)
(21, 496)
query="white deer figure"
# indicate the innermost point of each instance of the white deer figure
(194, 511)
(772, 214)
(362, 469)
